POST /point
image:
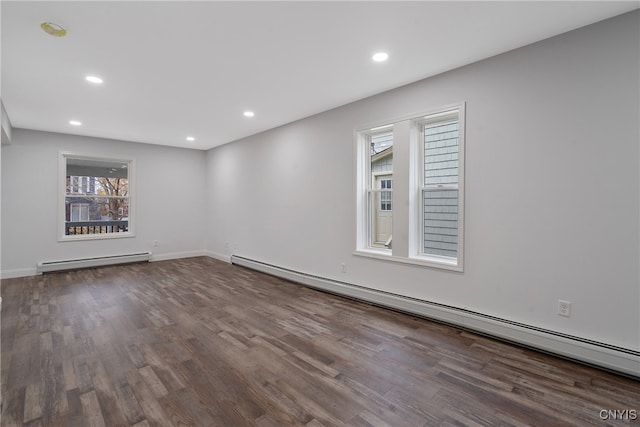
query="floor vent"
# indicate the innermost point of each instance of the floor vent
(74, 264)
(622, 360)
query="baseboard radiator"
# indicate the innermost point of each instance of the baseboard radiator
(621, 360)
(74, 264)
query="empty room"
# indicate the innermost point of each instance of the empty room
(320, 213)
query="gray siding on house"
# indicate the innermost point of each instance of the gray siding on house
(441, 222)
(441, 154)
(441, 205)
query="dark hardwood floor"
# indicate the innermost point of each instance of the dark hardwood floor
(198, 342)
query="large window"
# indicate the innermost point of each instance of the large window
(95, 198)
(427, 196)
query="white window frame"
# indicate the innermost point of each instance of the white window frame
(409, 252)
(62, 190)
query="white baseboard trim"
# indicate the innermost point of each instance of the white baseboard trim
(95, 261)
(26, 272)
(176, 255)
(18, 272)
(603, 355)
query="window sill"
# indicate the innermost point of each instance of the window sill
(423, 261)
(84, 237)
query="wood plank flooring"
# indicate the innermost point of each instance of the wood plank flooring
(198, 342)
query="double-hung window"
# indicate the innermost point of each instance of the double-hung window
(428, 190)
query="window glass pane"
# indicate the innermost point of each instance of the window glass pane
(380, 202)
(440, 194)
(381, 142)
(440, 226)
(380, 218)
(441, 153)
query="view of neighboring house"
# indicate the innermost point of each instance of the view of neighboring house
(96, 198)
(440, 149)
(381, 205)
(440, 188)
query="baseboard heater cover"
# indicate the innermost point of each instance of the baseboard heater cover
(74, 264)
(622, 360)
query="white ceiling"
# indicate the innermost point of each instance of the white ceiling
(173, 69)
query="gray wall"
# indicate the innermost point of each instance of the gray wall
(552, 187)
(170, 200)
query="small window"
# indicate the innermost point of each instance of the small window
(385, 196)
(95, 198)
(79, 212)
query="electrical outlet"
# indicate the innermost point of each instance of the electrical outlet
(564, 308)
(344, 267)
(155, 243)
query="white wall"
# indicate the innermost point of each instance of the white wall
(552, 187)
(170, 200)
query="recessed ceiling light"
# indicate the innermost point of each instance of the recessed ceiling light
(75, 123)
(380, 57)
(54, 30)
(249, 114)
(190, 139)
(94, 79)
